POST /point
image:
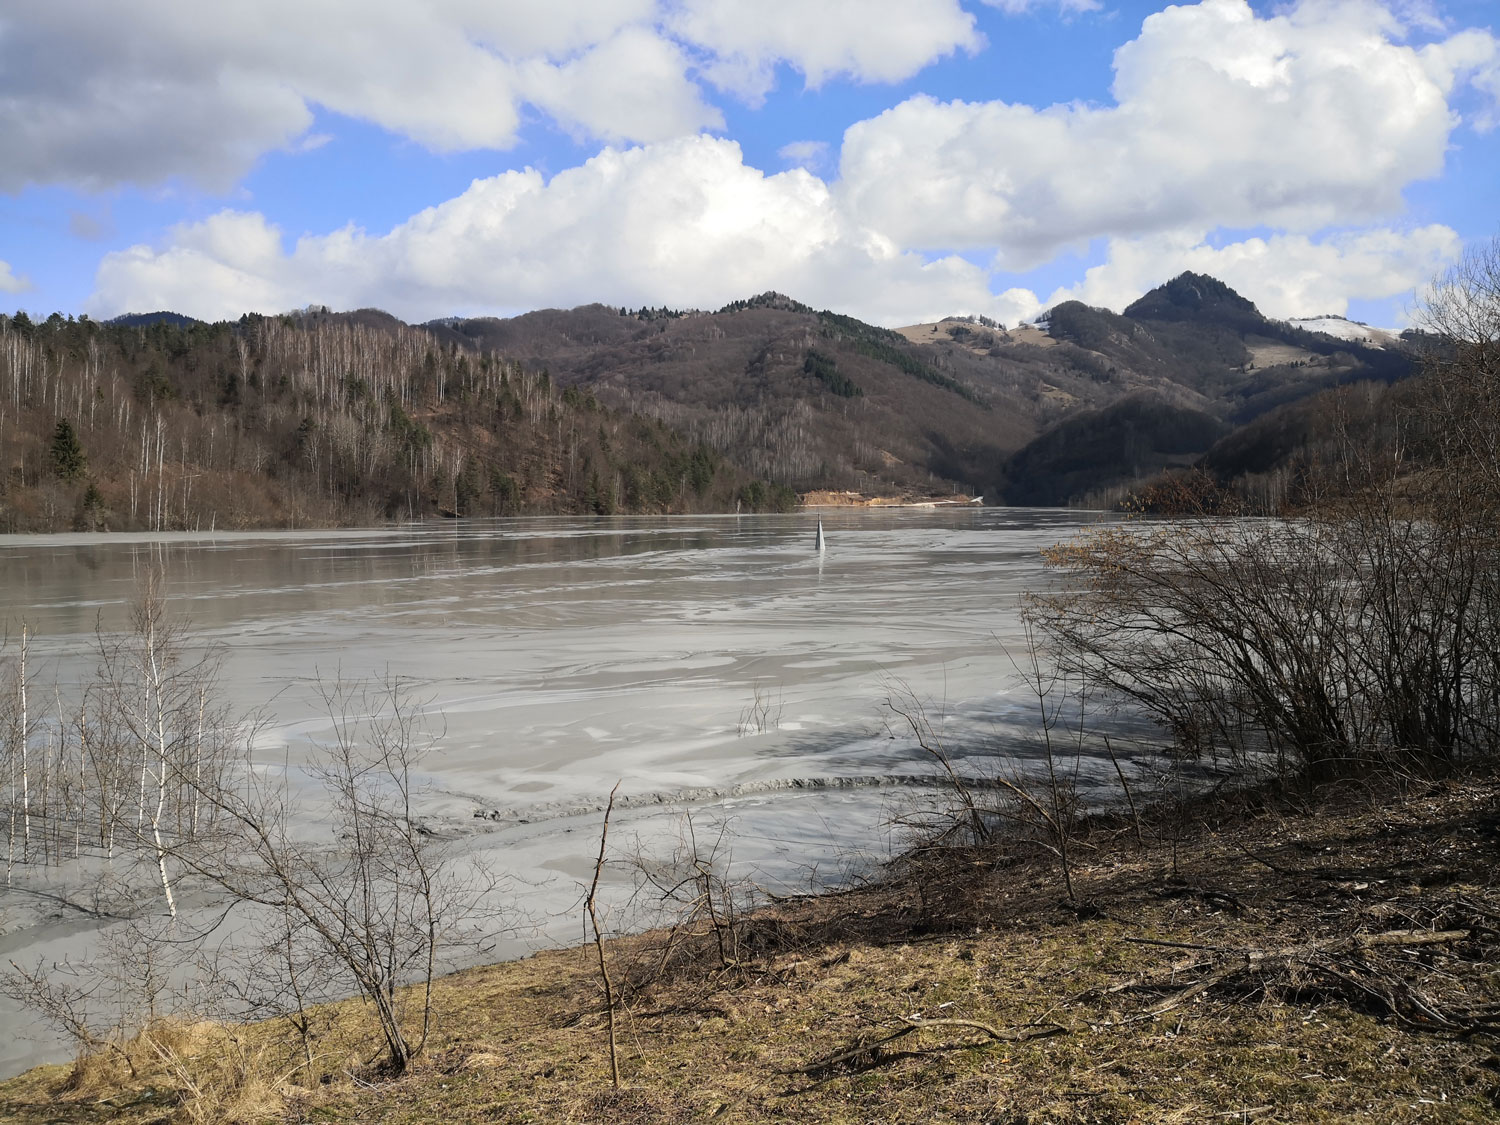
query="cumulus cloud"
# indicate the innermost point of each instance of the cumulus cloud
(684, 222)
(1286, 274)
(614, 90)
(10, 283)
(94, 95)
(1474, 57)
(867, 40)
(688, 223)
(1317, 116)
(1309, 120)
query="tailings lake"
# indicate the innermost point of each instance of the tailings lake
(715, 664)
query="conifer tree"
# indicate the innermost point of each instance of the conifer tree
(68, 459)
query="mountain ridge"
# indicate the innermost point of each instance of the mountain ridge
(775, 390)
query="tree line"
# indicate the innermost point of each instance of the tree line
(313, 419)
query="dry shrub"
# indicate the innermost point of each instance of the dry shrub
(94, 1075)
(1362, 637)
(219, 1077)
(179, 1038)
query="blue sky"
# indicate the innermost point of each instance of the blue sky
(896, 159)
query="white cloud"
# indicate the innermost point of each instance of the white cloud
(1023, 7)
(683, 223)
(1286, 275)
(558, 27)
(867, 40)
(614, 90)
(1473, 57)
(10, 283)
(1313, 117)
(94, 95)
(811, 155)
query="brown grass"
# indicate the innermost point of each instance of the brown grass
(800, 1029)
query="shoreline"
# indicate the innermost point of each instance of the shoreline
(965, 984)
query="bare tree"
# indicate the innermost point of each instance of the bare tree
(151, 698)
(18, 728)
(336, 883)
(373, 905)
(1364, 634)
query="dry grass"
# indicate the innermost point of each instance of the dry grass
(794, 1031)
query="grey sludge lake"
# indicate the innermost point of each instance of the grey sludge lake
(717, 663)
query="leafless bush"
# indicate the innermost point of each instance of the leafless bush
(692, 894)
(762, 714)
(364, 909)
(105, 1003)
(1006, 800)
(367, 910)
(140, 1009)
(1316, 648)
(1364, 634)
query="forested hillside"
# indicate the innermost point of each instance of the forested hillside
(811, 399)
(163, 423)
(1189, 364)
(158, 421)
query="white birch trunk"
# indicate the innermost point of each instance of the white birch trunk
(21, 738)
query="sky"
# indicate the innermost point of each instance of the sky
(897, 160)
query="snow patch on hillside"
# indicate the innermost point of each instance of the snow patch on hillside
(1343, 329)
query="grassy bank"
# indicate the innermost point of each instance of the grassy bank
(1268, 960)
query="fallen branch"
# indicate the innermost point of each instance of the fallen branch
(1340, 961)
(914, 1024)
(1019, 1035)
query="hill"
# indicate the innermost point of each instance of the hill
(1211, 364)
(1096, 450)
(351, 417)
(317, 419)
(811, 399)
(820, 400)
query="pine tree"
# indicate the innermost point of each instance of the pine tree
(67, 454)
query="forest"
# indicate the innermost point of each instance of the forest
(162, 422)
(316, 420)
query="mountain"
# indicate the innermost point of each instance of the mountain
(1196, 298)
(1210, 362)
(328, 417)
(813, 399)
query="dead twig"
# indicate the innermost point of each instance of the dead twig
(914, 1024)
(609, 995)
(1339, 961)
